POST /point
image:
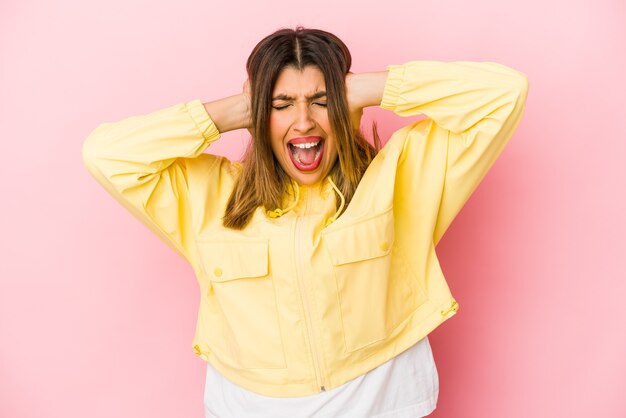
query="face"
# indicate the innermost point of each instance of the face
(300, 132)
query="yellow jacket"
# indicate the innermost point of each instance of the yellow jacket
(302, 300)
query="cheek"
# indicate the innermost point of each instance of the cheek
(278, 124)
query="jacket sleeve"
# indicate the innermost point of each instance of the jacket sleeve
(143, 162)
(472, 110)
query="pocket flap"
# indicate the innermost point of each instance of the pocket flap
(231, 260)
(369, 238)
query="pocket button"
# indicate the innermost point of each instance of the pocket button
(217, 272)
(384, 246)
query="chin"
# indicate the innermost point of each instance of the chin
(306, 179)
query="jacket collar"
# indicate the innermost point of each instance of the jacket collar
(296, 191)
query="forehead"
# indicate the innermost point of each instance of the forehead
(293, 82)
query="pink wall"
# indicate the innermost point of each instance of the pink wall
(97, 314)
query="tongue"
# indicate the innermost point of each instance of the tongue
(307, 155)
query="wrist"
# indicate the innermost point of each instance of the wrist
(368, 88)
(229, 113)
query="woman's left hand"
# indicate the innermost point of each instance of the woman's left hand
(363, 90)
(354, 106)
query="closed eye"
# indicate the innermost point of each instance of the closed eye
(286, 106)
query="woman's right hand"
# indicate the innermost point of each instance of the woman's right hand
(232, 112)
(248, 106)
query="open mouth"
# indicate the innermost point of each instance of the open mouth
(306, 153)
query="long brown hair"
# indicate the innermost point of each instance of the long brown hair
(262, 181)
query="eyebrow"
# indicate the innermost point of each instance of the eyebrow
(317, 95)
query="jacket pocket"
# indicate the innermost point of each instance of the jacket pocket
(244, 290)
(372, 280)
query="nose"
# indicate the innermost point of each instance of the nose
(303, 122)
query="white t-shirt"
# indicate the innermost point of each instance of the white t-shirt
(407, 386)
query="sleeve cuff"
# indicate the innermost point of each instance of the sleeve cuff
(391, 92)
(202, 120)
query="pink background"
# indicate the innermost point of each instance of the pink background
(97, 314)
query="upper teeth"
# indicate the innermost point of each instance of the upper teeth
(306, 145)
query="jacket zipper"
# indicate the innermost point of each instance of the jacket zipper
(307, 314)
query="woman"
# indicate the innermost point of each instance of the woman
(315, 255)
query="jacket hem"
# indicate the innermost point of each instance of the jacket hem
(419, 326)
